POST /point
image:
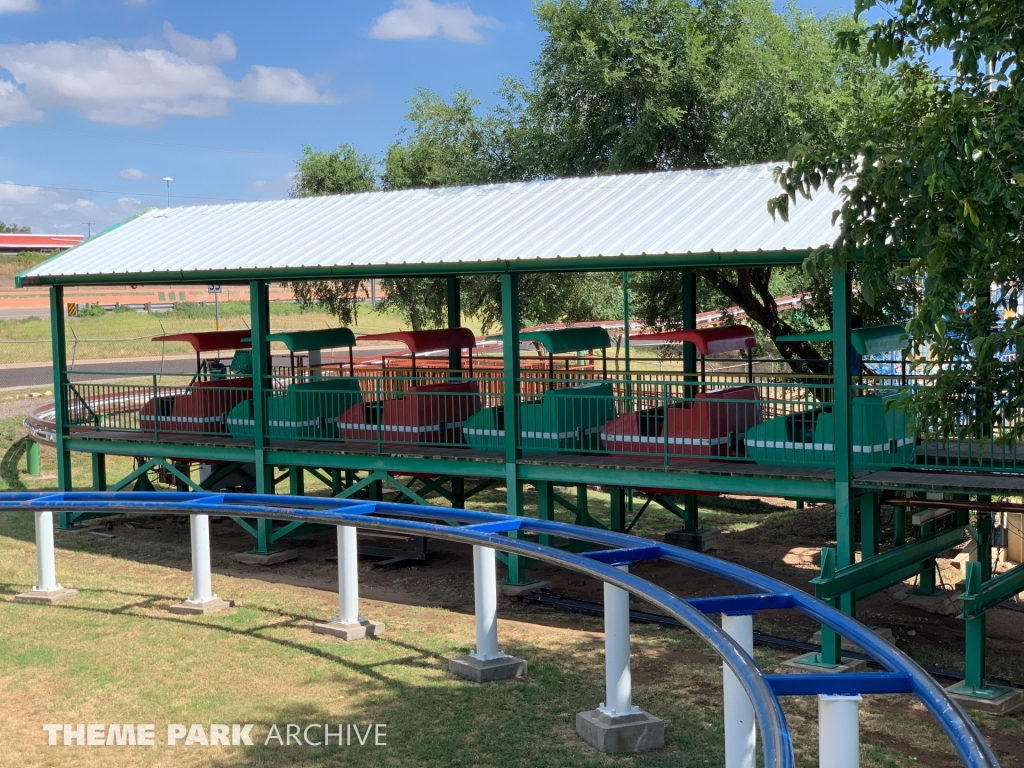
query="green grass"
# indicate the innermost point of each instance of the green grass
(114, 654)
(115, 335)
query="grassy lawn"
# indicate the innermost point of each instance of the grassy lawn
(115, 654)
(127, 334)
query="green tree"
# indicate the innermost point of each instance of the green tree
(14, 229)
(627, 85)
(333, 173)
(936, 178)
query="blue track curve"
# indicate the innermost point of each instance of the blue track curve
(491, 530)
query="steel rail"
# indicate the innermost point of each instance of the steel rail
(489, 529)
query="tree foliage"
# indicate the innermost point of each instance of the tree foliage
(14, 229)
(936, 179)
(621, 86)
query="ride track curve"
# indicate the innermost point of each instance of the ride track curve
(501, 532)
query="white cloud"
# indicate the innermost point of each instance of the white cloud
(14, 106)
(53, 210)
(18, 6)
(220, 48)
(108, 83)
(22, 194)
(134, 174)
(418, 19)
(78, 205)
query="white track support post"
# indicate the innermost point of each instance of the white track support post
(617, 726)
(618, 680)
(740, 727)
(46, 565)
(348, 576)
(46, 590)
(348, 624)
(485, 587)
(203, 602)
(202, 589)
(487, 663)
(839, 731)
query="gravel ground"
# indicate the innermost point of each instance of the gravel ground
(21, 405)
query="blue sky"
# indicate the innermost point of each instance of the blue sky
(103, 98)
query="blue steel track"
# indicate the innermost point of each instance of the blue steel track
(504, 532)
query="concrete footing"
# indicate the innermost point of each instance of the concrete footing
(993, 699)
(41, 597)
(205, 608)
(350, 632)
(811, 662)
(637, 732)
(267, 558)
(699, 541)
(502, 668)
(883, 632)
(519, 590)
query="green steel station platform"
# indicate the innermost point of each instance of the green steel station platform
(449, 421)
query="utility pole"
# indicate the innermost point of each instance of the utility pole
(89, 225)
(168, 181)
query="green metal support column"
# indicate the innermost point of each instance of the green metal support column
(831, 643)
(870, 507)
(259, 317)
(690, 506)
(458, 485)
(510, 400)
(899, 525)
(99, 472)
(454, 319)
(974, 634)
(58, 341)
(627, 363)
(296, 481)
(617, 505)
(545, 508)
(32, 458)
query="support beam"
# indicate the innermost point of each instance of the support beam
(58, 342)
(99, 471)
(46, 591)
(839, 731)
(455, 319)
(259, 318)
(740, 725)
(842, 293)
(510, 402)
(203, 602)
(487, 663)
(32, 458)
(618, 726)
(348, 625)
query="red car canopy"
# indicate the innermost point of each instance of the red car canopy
(709, 341)
(211, 341)
(428, 341)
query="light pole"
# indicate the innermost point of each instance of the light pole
(89, 225)
(168, 180)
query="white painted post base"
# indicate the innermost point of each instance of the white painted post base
(203, 602)
(348, 625)
(487, 663)
(740, 726)
(618, 726)
(47, 590)
(839, 731)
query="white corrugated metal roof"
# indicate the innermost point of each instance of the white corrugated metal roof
(676, 212)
